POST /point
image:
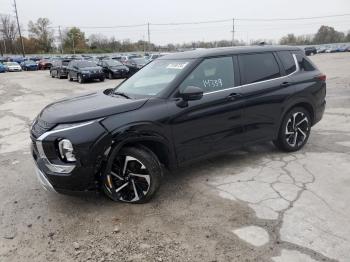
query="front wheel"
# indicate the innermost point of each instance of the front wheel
(295, 130)
(110, 76)
(80, 79)
(134, 176)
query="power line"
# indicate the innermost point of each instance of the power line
(211, 22)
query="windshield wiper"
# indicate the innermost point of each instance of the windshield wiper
(122, 94)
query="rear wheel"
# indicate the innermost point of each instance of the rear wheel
(134, 177)
(51, 73)
(69, 77)
(102, 79)
(110, 76)
(295, 130)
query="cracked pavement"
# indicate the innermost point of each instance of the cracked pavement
(253, 204)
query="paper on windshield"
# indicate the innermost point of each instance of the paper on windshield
(177, 65)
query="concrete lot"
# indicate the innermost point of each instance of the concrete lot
(256, 204)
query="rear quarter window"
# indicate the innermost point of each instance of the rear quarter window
(258, 67)
(287, 60)
(304, 63)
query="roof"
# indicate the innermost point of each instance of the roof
(201, 53)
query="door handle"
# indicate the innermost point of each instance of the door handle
(233, 96)
(286, 84)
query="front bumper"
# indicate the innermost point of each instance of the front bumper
(70, 178)
(93, 76)
(45, 183)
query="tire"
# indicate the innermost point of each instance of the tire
(51, 74)
(80, 79)
(59, 75)
(142, 174)
(295, 130)
(102, 79)
(110, 76)
(69, 77)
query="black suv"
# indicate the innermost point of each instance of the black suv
(310, 50)
(59, 68)
(113, 69)
(83, 71)
(178, 109)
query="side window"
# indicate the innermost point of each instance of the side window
(304, 63)
(258, 67)
(211, 75)
(287, 61)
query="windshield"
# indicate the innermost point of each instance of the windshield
(83, 64)
(30, 62)
(12, 63)
(113, 63)
(139, 61)
(153, 78)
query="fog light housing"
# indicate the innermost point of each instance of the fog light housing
(66, 150)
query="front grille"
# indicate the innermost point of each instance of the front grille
(40, 127)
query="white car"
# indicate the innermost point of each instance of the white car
(12, 66)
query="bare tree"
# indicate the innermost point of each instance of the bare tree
(40, 30)
(9, 32)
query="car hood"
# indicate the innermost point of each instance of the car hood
(88, 106)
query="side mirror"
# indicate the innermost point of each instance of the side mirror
(191, 93)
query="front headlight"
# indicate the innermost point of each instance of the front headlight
(63, 127)
(66, 150)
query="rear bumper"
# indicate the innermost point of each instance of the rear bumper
(319, 112)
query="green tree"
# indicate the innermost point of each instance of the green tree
(42, 33)
(327, 34)
(74, 41)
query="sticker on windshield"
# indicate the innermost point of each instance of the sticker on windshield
(177, 65)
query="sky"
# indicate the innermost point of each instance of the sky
(87, 14)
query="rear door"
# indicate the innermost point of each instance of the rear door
(213, 123)
(265, 86)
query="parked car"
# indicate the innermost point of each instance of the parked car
(135, 64)
(44, 64)
(114, 69)
(84, 70)
(2, 68)
(178, 109)
(59, 68)
(331, 49)
(29, 65)
(152, 57)
(343, 48)
(310, 50)
(12, 67)
(125, 58)
(321, 49)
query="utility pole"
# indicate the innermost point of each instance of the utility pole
(19, 29)
(73, 43)
(59, 30)
(149, 37)
(233, 32)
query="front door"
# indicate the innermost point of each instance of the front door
(213, 123)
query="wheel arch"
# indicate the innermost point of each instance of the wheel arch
(304, 103)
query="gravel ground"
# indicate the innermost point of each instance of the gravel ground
(255, 204)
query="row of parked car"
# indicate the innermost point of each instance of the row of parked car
(83, 67)
(312, 50)
(86, 68)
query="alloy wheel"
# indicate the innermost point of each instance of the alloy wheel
(297, 129)
(129, 179)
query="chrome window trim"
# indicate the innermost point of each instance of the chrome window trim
(230, 88)
(63, 169)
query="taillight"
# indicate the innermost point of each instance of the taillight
(321, 77)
